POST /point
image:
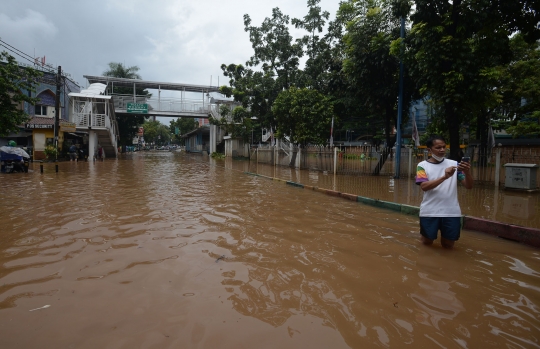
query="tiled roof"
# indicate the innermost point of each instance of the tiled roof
(39, 120)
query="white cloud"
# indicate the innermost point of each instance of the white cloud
(170, 40)
(33, 26)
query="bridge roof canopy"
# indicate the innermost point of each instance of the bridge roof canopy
(169, 86)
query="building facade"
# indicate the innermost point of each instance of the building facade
(38, 132)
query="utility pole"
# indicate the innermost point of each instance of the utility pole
(332, 133)
(400, 103)
(57, 113)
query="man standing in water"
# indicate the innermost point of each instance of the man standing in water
(438, 177)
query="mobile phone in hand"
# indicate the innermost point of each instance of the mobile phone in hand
(465, 159)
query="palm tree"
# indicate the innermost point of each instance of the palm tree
(118, 70)
(127, 124)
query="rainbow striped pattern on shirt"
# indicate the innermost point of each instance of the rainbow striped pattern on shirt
(421, 175)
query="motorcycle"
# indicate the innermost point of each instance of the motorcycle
(13, 160)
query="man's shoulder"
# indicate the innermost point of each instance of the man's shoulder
(423, 163)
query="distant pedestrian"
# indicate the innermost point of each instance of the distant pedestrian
(73, 153)
(438, 177)
(101, 153)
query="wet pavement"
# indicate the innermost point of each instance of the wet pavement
(169, 250)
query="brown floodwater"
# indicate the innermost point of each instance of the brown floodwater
(483, 201)
(172, 250)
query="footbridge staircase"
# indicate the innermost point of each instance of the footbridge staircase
(93, 112)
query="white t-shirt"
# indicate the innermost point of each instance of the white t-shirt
(441, 201)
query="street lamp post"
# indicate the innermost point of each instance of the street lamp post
(400, 104)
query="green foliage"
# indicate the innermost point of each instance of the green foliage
(453, 51)
(527, 128)
(215, 155)
(236, 123)
(50, 152)
(156, 132)
(303, 115)
(118, 70)
(184, 126)
(372, 70)
(15, 83)
(519, 89)
(127, 124)
(315, 74)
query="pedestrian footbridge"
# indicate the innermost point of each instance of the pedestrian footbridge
(156, 105)
(95, 109)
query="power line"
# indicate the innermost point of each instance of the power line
(32, 60)
(23, 55)
(18, 54)
(5, 43)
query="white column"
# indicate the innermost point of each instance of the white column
(335, 160)
(92, 143)
(410, 163)
(213, 139)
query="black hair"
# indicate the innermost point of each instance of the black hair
(432, 138)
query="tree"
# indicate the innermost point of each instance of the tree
(372, 70)
(236, 122)
(454, 45)
(277, 55)
(127, 124)
(16, 85)
(519, 88)
(304, 115)
(118, 70)
(317, 47)
(184, 125)
(156, 132)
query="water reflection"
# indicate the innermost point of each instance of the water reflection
(482, 201)
(175, 250)
(436, 301)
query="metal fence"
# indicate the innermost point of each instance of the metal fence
(317, 158)
(366, 160)
(489, 168)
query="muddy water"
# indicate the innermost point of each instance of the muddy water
(484, 201)
(173, 251)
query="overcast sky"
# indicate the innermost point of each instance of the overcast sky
(170, 41)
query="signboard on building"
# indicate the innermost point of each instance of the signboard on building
(38, 126)
(68, 127)
(137, 108)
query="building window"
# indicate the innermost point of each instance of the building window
(41, 110)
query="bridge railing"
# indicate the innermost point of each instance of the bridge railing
(92, 120)
(164, 104)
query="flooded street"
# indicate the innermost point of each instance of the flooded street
(172, 250)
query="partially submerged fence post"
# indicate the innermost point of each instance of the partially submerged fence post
(497, 166)
(335, 160)
(410, 163)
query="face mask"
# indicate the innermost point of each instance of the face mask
(439, 159)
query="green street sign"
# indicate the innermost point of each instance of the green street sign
(137, 108)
